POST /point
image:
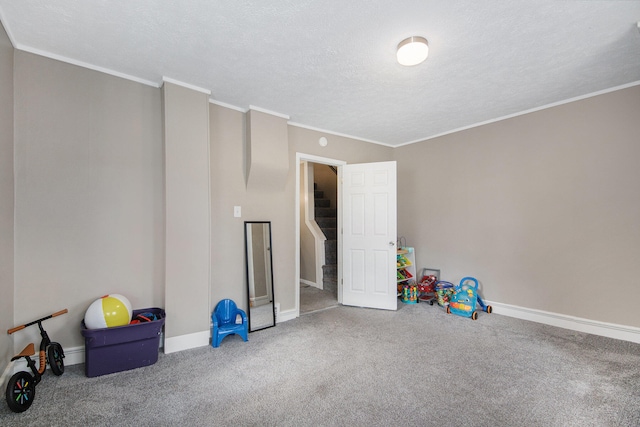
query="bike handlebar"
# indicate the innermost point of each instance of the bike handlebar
(18, 328)
(60, 313)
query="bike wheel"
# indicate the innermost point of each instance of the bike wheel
(21, 391)
(55, 356)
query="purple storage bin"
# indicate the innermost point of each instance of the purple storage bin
(121, 348)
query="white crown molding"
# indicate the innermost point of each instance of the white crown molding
(273, 113)
(610, 330)
(343, 135)
(185, 85)
(85, 65)
(225, 105)
(93, 67)
(522, 113)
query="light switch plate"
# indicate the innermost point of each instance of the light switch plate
(237, 211)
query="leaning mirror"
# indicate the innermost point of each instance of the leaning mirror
(257, 242)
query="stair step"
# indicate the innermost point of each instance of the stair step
(331, 251)
(327, 222)
(326, 212)
(330, 271)
(330, 285)
(326, 218)
(331, 233)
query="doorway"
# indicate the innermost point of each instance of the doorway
(317, 237)
(319, 272)
(366, 267)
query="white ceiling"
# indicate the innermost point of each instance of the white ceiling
(331, 65)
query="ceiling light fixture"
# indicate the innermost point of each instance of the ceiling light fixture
(413, 50)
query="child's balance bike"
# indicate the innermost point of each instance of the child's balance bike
(21, 389)
(464, 300)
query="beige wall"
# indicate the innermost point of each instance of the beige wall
(187, 221)
(327, 181)
(543, 209)
(6, 198)
(338, 148)
(266, 151)
(228, 189)
(89, 193)
(228, 274)
(307, 238)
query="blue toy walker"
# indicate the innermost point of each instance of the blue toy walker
(464, 299)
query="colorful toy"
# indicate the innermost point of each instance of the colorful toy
(427, 288)
(463, 301)
(21, 389)
(108, 311)
(402, 261)
(409, 294)
(444, 290)
(147, 316)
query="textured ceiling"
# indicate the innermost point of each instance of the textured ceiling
(331, 64)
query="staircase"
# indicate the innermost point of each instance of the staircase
(327, 219)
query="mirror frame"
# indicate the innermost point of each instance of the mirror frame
(247, 227)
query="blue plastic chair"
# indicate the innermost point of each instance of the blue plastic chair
(224, 322)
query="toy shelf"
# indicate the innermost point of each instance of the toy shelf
(406, 266)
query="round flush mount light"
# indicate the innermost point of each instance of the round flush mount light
(412, 50)
(323, 141)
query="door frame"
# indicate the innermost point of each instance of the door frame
(303, 157)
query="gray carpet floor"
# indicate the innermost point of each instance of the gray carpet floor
(313, 299)
(348, 366)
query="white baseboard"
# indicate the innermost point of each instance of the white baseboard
(310, 283)
(610, 330)
(284, 316)
(72, 356)
(75, 355)
(186, 342)
(6, 374)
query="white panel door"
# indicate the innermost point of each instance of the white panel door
(369, 235)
